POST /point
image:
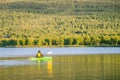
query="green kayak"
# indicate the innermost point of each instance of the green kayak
(41, 59)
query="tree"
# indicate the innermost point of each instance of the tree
(114, 40)
(81, 40)
(95, 40)
(22, 42)
(87, 40)
(29, 41)
(12, 42)
(106, 39)
(4, 42)
(54, 41)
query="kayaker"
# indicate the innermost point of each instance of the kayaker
(39, 54)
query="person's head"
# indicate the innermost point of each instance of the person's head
(39, 51)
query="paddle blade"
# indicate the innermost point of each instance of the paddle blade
(50, 52)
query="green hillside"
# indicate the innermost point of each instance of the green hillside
(59, 22)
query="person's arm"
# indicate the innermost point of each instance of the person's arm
(36, 55)
(42, 55)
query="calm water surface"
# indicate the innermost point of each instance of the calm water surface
(87, 65)
(17, 52)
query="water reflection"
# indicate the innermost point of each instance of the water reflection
(49, 68)
(74, 67)
(45, 65)
(88, 67)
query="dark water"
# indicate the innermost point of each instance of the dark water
(69, 67)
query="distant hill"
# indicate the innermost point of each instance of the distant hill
(56, 20)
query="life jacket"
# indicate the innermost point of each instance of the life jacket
(39, 55)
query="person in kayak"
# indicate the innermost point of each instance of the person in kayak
(39, 54)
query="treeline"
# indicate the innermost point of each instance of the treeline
(71, 7)
(35, 26)
(64, 41)
(59, 22)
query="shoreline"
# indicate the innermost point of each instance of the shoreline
(55, 46)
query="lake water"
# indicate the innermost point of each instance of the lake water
(22, 52)
(74, 64)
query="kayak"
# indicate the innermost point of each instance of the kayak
(41, 59)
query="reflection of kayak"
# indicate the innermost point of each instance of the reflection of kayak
(41, 59)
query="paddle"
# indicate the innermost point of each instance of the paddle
(49, 53)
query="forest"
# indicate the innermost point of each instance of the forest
(59, 23)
